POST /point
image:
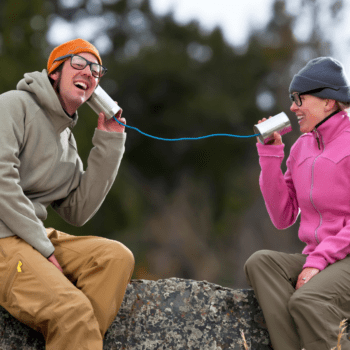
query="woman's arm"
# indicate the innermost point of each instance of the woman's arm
(277, 189)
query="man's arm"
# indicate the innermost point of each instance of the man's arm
(17, 212)
(103, 164)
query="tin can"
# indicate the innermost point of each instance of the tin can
(280, 123)
(100, 101)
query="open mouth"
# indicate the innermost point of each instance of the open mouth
(80, 85)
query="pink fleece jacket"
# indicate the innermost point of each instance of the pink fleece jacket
(317, 185)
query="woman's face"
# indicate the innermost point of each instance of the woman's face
(311, 112)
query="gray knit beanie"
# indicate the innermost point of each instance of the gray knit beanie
(323, 72)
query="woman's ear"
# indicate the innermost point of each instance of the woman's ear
(330, 105)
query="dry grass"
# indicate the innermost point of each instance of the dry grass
(244, 341)
(342, 328)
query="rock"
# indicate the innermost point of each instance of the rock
(168, 314)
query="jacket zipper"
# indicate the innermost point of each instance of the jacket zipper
(317, 138)
(312, 183)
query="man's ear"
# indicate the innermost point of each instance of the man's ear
(54, 76)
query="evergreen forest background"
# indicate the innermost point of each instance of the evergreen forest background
(189, 209)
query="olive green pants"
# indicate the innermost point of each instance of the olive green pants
(309, 317)
(73, 310)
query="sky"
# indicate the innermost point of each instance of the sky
(236, 18)
(233, 16)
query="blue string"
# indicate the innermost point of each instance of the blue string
(182, 138)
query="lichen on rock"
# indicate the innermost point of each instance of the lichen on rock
(168, 314)
(185, 314)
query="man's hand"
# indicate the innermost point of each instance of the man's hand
(306, 276)
(111, 125)
(53, 259)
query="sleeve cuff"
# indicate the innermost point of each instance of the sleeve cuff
(270, 150)
(316, 262)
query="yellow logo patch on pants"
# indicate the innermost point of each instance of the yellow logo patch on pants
(19, 266)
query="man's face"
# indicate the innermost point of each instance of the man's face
(74, 86)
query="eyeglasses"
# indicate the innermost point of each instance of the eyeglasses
(79, 62)
(295, 96)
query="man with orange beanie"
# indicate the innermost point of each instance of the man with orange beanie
(69, 288)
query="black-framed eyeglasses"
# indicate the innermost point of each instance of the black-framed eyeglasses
(295, 96)
(79, 62)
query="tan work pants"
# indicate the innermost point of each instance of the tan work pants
(309, 317)
(73, 310)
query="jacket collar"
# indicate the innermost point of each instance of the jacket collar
(325, 119)
(332, 126)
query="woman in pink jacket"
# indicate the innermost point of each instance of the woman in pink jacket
(304, 297)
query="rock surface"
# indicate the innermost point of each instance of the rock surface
(168, 314)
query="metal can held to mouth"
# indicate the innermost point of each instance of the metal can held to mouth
(100, 101)
(280, 123)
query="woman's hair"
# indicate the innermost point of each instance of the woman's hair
(343, 105)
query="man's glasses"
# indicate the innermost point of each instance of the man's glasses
(295, 96)
(79, 62)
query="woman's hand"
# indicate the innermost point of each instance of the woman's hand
(111, 125)
(305, 276)
(277, 138)
(53, 260)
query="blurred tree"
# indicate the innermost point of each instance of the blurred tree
(173, 81)
(285, 55)
(192, 208)
(22, 39)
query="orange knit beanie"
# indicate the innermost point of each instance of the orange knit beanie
(70, 47)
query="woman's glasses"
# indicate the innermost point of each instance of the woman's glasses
(295, 96)
(79, 62)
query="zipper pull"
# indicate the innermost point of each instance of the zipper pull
(317, 138)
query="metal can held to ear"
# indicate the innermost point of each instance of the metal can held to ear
(100, 101)
(280, 123)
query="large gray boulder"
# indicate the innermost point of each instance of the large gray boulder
(168, 314)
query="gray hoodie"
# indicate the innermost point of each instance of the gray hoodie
(40, 165)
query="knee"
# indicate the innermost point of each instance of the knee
(257, 260)
(82, 303)
(119, 253)
(295, 303)
(303, 304)
(73, 304)
(254, 262)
